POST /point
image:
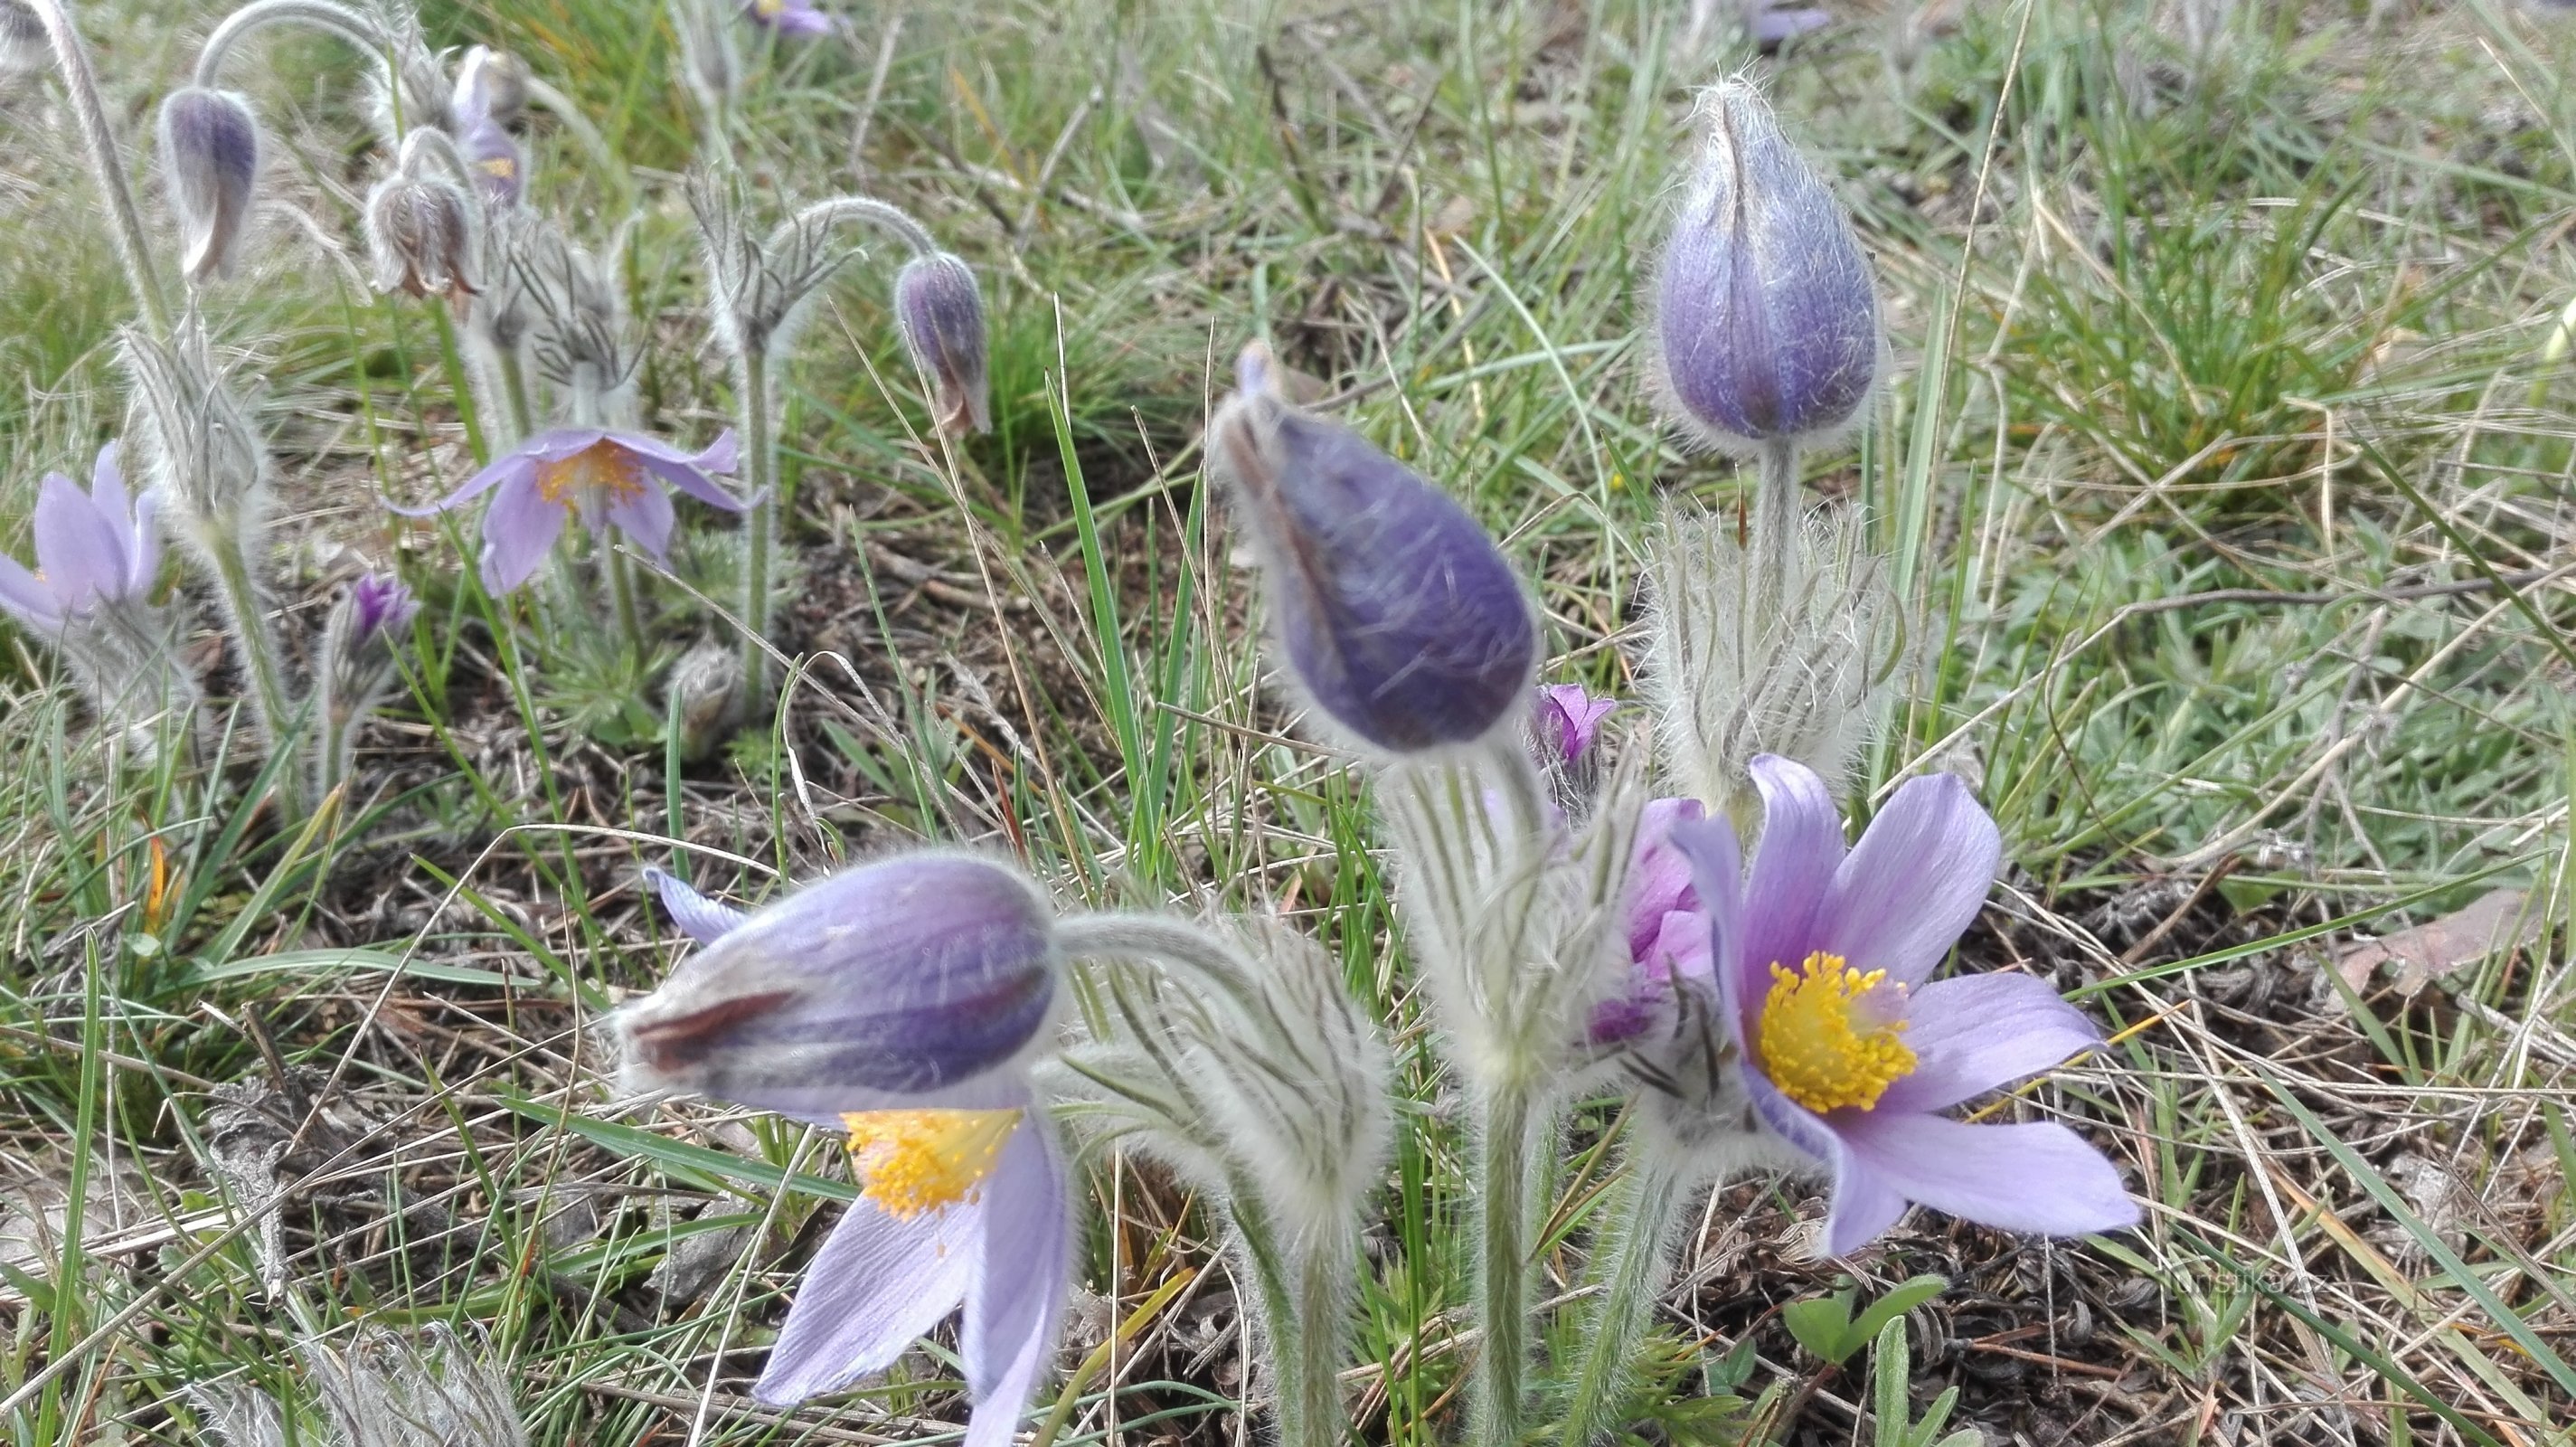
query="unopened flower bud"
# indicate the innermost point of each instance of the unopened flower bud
(23, 46)
(1765, 312)
(210, 162)
(704, 691)
(420, 236)
(940, 312)
(917, 973)
(1397, 612)
(491, 85)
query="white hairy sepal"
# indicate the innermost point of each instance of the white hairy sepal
(125, 656)
(1513, 915)
(1731, 673)
(195, 438)
(1241, 1061)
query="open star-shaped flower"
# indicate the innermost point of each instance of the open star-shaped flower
(1824, 956)
(610, 479)
(94, 547)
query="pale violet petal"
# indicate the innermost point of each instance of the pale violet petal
(1974, 1033)
(1016, 1300)
(701, 918)
(1914, 882)
(875, 1287)
(2037, 1176)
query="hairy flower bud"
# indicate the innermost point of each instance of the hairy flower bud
(940, 312)
(1396, 611)
(195, 436)
(23, 46)
(908, 975)
(704, 692)
(210, 162)
(491, 85)
(420, 236)
(1765, 313)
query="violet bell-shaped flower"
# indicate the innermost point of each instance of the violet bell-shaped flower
(903, 1001)
(1397, 613)
(1568, 719)
(939, 311)
(92, 548)
(609, 478)
(788, 17)
(1823, 958)
(210, 162)
(1766, 317)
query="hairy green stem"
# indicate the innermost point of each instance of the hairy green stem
(760, 524)
(514, 394)
(107, 165)
(340, 20)
(1631, 1246)
(1776, 498)
(256, 646)
(621, 591)
(1497, 1394)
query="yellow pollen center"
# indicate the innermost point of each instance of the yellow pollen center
(501, 166)
(767, 9)
(919, 1161)
(1820, 1045)
(600, 469)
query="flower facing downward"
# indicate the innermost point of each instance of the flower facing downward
(1764, 310)
(210, 162)
(1668, 943)
(1568, 720)
(1823, 959)
(940, 312)
(1396, 611)
(616, 478)
(420, 237)
(902, 1001)
(788, 17)
(93, 548)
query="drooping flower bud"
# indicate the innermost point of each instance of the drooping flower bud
(491, 85)
(420, 236)
(1765, 314)
(358, 653)
(940, 311)
(918, 973)
(1396, 611)
(23, 46)
(210, 162)
(704, 692)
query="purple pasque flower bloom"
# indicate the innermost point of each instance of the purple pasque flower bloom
(1668, 938)
(1766, 316)
(380, 605)
(902, 1001)
(1568, 720)
(1823, 958)
(788, 17)
(611, 478)
(1396, 610)
(92, 548)
(939, 312)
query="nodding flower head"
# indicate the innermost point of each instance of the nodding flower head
(873, 989)
(1397, 613)
(23, 43)
(618, 479)
(1765, 314)
(940, 312)
(1823, 959)
(210, 162)
(420, 236)
(93, 548)
(788, 17)
(491, 85)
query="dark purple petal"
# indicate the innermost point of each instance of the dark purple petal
(883, 984)
(1975, 1033)
(1764, 309)
(877, 1285)
(28, 599)
(519, 531)
(644, 514)
(380, 604)
(1017, 1297)
(1569, 719)
(701, 918)
(1793, 867)
(2038, 1177)
(80, 552)
(1914, 882)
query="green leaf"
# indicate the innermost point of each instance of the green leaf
(1890, 1366)
(1901, 1299)
(1822, 1324)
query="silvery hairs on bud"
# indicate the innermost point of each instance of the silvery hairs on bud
(422, 236)
(703, 692)
(23, 46)
(939, 310)
(580, 341)
(761, 289)
(493, 85)
(1252, 1070)
(194, 437)
(234, 1413)
(416, 93)
(210, 149)
(1731, 674)
(421, 1389)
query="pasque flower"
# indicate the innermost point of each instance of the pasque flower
(610, 478)
(788, 17)
(210, 161)
(1765, 315)
(902, 1001)
(1396, 611)
(1823, 958)
(92, 548)
(1668, 936)
(1568, 720)
(940, 313)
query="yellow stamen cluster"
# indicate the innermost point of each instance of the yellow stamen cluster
(919, 1161)
(602, 469)
(1820, 1044)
